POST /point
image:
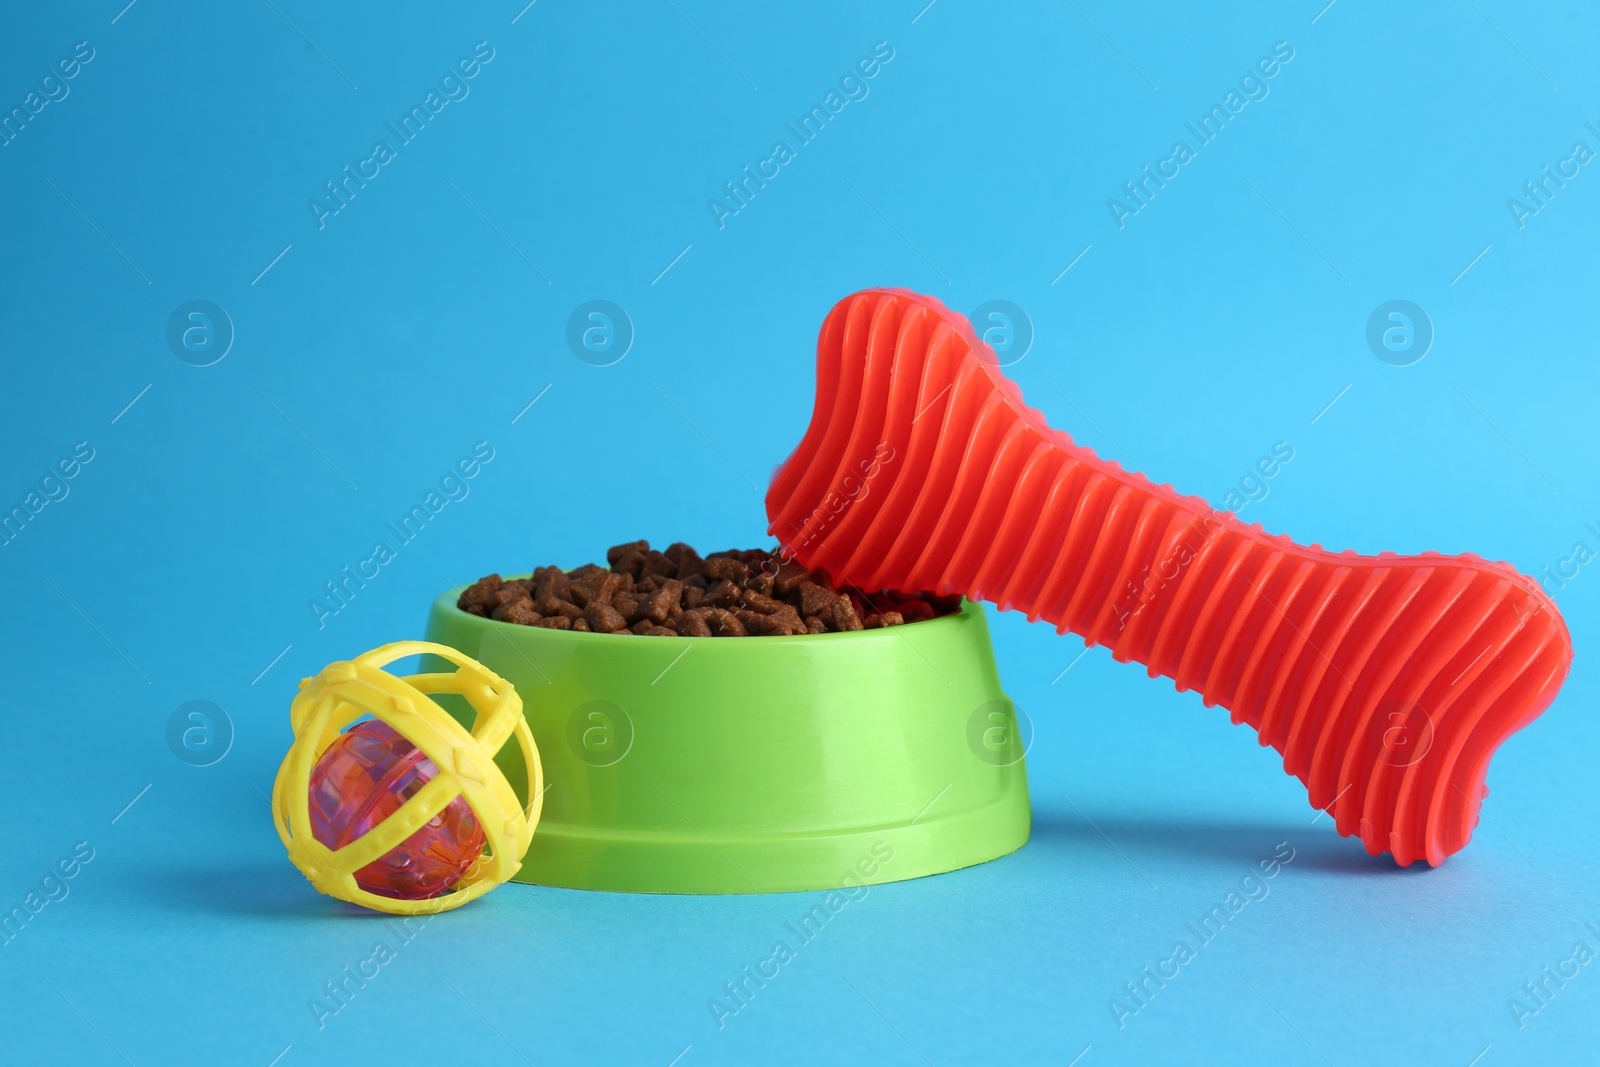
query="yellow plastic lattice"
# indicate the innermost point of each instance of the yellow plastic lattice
(345, 691)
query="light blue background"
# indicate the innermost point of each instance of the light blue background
(1224, 317)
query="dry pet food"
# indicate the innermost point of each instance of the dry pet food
(678, 593)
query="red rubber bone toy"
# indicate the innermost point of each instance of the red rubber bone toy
(1386, 682)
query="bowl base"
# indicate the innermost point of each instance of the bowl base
(572, 857)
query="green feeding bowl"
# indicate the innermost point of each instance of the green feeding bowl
(759, 764)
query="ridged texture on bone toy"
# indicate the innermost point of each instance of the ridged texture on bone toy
(1386, 682)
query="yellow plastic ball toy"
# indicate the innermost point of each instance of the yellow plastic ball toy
(431, 775)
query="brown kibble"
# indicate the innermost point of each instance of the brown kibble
(858, 602)
(724, 593)
(757, 602)
(724, 623)
(552, 582)
(507, 594)
(753, 592)
(518, 611)
(754, 622)
(789, 576)
(787, 615)
(503, 603)
(664, 601)
(842, 614)
(628, 605)
(631, 564)
(549, 605)
(688, 561)
(781, 625)
(728, 569)
(478, 598)
(595, 588)
(761, 581)
(815, 599)
(605, 619)
(693, 624)
(617, 552)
